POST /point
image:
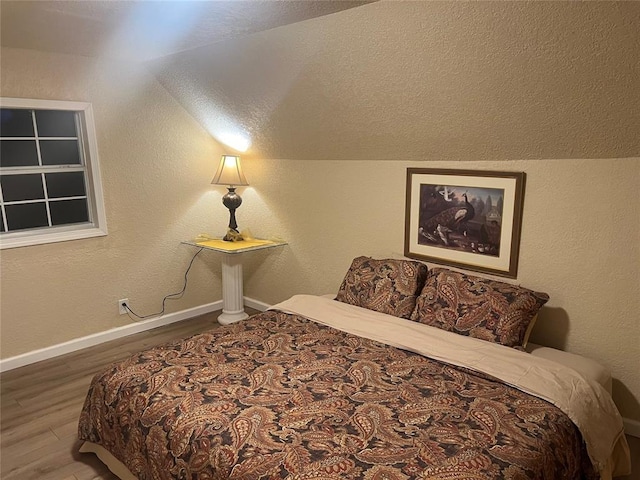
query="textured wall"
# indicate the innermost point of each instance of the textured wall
(415, 80)
(156, 165)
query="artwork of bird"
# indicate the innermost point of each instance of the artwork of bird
(440, 225)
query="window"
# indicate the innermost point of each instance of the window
(50, 188)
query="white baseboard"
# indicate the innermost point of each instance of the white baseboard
(118, 332)
(256, 304)
(101, 337)
(631, 427)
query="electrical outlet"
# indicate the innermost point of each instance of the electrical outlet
(121, 308)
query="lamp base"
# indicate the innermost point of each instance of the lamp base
(232, 236)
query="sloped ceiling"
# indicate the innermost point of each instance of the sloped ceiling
(412, 80)
(140, 30)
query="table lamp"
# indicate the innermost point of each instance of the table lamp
(230, 174)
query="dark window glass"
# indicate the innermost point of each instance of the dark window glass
(68, 211)
(59, 152)
(16, 122)
(27, 215)
(68, 184)
(22, 187)
(2, 229)
(18, 153)
(56, 123)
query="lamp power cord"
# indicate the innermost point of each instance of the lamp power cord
(172, 296)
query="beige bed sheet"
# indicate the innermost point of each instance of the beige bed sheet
(587, 367)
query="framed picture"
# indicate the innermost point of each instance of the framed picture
(465, 218)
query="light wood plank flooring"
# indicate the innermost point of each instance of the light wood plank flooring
(40, 405)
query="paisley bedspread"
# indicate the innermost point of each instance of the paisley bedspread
(281, 396)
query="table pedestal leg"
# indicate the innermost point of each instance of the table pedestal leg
(232, 291)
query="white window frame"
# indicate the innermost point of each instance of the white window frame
(97, 225)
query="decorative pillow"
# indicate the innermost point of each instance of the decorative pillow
(477, 307)
(389, 286)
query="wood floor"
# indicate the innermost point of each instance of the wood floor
(40, 405)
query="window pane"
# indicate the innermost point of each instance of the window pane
(22, 187)
(18, 153)
(56, 123)
(28, 215)
(59, 152)
(68, 184)
(16, 122)
(49, 168)
(69, 211)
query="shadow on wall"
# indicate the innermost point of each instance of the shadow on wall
(627, 403)
(552, 328)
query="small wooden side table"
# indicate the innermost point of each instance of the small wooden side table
(232, 280)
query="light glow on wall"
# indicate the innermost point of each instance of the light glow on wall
(221, 127)
(203, 107)
(235, 140)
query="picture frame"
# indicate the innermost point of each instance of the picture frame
(469, 219)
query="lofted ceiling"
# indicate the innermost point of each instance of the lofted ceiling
(145, 29)
(360, 80)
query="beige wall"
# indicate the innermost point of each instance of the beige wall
(579, 239)
(156, 165)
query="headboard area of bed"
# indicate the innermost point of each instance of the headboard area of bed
(465, 304)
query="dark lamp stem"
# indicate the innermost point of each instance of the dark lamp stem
(232, 200)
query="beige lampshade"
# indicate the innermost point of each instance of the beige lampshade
(229, 172)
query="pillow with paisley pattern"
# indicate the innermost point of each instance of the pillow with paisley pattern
(478, 307)
(389, 286)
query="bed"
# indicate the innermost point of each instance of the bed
(405, 374)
